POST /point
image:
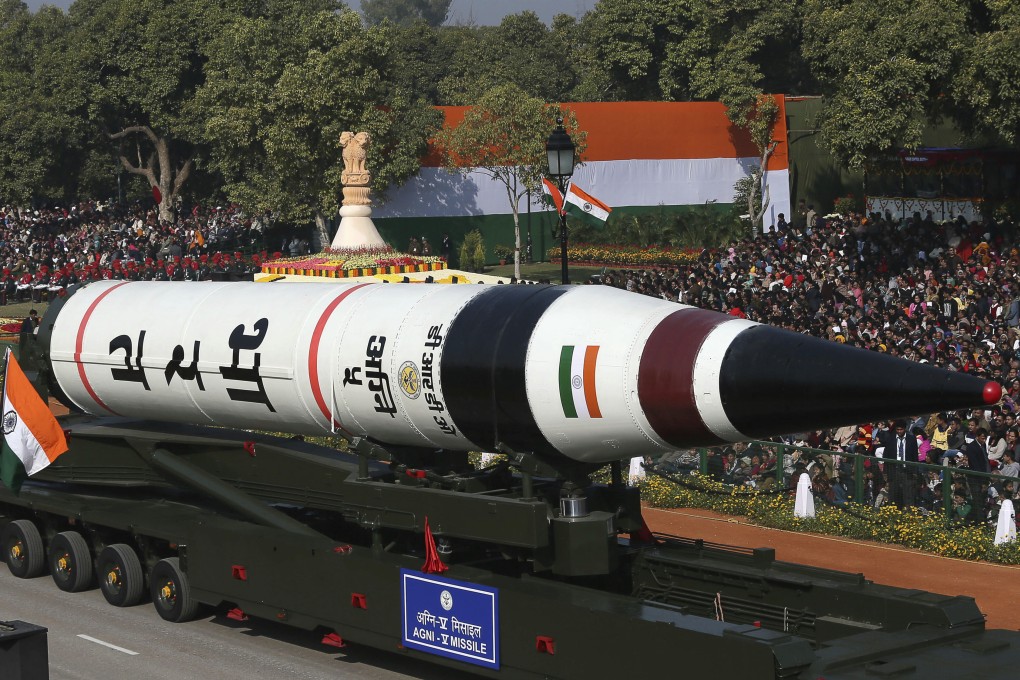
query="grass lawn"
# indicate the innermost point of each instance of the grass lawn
(544, 270)
(19, 310)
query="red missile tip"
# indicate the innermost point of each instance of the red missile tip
(992, 392)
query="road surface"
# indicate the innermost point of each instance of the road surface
(90, 639)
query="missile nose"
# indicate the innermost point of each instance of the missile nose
(772, 380)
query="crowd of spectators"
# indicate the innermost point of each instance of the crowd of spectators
(44, 251)
(940, 292)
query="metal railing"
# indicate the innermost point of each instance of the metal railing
(902, 479)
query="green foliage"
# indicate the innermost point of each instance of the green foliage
(884, 67)
(522, 51)
(700, 227)
(503, 137)
(141, 63)
(405, 12)
(889, 524)
(757, 116)
(985, 85)
(281, 89)
(421, 56)
(255, 94)
(478, 261)
(502, 252)
(43, 131)
(844, 205)
(678, 50)
(472, 252)
(631, 42)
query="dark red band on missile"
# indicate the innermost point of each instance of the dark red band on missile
(772, 380)
(666, 376)
(80, 341)
(483, 366)
(313, 354)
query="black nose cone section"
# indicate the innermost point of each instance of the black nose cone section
(774, 380)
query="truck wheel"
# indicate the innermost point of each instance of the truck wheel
(23, 549)
(70, 562)
(120, 575)
(170, 591)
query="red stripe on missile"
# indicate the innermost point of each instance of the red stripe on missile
(79, 341)
(666, 376)
(313, 354)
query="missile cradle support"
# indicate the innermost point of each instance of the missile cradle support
(292, 532)
(546, 574)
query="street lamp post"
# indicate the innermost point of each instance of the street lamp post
(560, 148)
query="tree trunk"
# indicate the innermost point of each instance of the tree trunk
(760, 185)
(169, 179)
(322, 229)
(511, 194)
(517, 243)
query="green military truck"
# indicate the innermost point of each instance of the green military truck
(496, 571)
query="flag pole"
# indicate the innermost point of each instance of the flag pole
(564, 273)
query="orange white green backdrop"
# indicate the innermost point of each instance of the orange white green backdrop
(640, 156)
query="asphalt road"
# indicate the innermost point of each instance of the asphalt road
(91, 640)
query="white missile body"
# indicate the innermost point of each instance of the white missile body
(574, 371)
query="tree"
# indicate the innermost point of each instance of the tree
(503, 137)
(533, 56)
(405, 12)
(467, 69)
(728, 58)
(522, 50)
(985, 85)
(420, 59)
(759, 119)
(885, 67)
(676, 50)
(628, 42)
(745, 37)
(42, 115)
(143, 60)
(281, 89)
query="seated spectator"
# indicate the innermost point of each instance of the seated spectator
(961, 507)
(1008, 466)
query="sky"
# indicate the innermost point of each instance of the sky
(484, 12)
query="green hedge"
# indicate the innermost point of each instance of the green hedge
(889, 524)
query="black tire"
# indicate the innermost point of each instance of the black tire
(71, 562)
(171, 593)
(120, 575)
(23, 549)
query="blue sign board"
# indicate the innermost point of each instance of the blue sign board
(450, 618)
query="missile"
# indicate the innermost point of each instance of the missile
(590, 373)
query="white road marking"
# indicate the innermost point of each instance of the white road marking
(107, 644)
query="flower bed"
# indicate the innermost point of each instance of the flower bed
(888, 524)
(626, 256)
(337, 264)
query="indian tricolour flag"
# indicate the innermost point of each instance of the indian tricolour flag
(32, 436)
(577, 381)
(580, 203)
(552, 195)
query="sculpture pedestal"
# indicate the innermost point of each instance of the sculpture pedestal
(356, 229)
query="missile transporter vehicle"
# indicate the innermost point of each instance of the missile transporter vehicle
(524, 569)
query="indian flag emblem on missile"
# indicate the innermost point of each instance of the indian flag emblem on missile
(577, 381)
